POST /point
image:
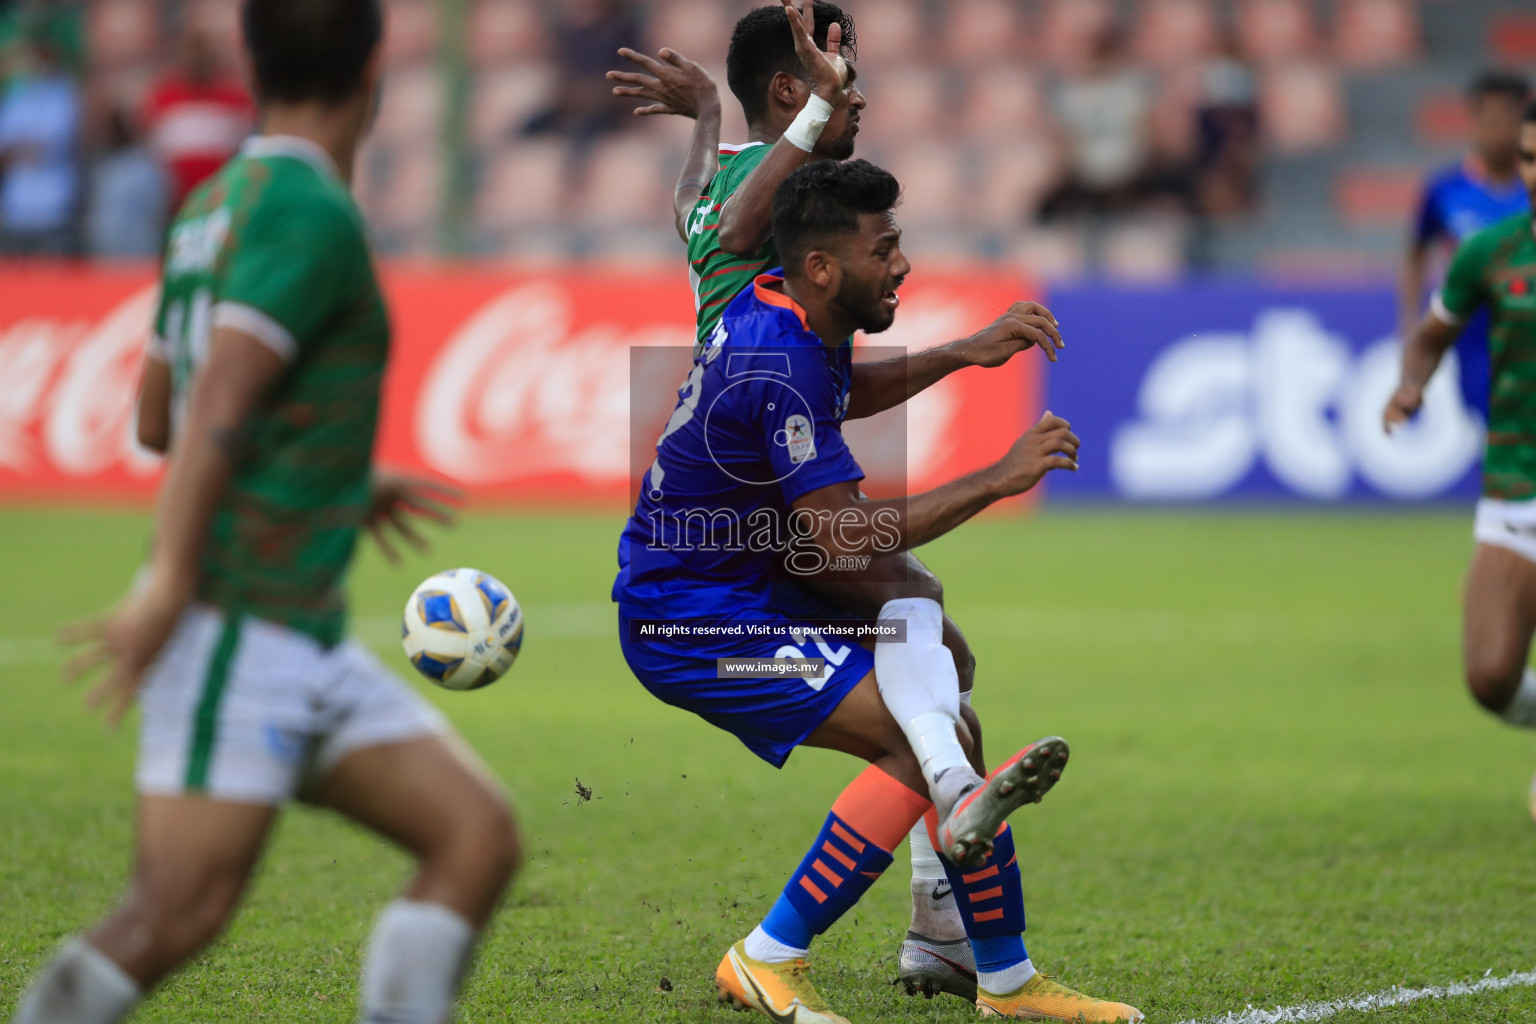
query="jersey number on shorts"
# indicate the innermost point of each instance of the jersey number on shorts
(834, 659)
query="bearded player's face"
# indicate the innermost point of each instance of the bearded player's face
(872, 267)
(837, 138)
(1526, 155)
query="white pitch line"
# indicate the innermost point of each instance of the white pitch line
(1395, 996)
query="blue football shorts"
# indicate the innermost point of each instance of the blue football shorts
(770, 715)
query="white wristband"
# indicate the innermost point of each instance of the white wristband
(808, 124)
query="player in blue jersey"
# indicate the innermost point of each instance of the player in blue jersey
(1462, 200)
(753, 491)
(783, 60)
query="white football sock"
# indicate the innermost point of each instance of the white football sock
(1001, 983)
(1521, 710)
(416, 960)
(82, 985)
(920, 686)
(764, 947)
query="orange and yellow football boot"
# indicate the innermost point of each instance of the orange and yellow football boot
(966, 833)
(1043, 999)
(781, 992)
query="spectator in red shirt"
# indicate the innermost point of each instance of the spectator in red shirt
(197, 117)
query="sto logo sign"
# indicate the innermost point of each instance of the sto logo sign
(1297, 399)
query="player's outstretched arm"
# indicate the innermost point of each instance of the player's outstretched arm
(746, 218)
(918, 519)
(1421, 356)
(399, 497)
(878, 386)
(676, 85)
(239, 372)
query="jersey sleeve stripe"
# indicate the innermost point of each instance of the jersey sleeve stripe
(1440, 311)
(237, 316)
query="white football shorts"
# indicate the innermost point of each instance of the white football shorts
(250, 711)
(1507, 524)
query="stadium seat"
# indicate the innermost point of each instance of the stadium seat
(1302, 107)
(1050, 253)
(1069, 27)
(410, 35)
(1004, 100)
(1374, 34)
(976, 31)
(934, 190)
(400, 191)
(1442, 119)
(890, 31)
(1512, 37)
(501, 31)
(523, 184)
(1016, 175)
(122, 31)
(1377, 196)
(699, 29)
(413, 106)
(909, 104)
(1145, 250)
(1173, 120)
(627, 182)
(1175, 32)
(502, 100)
(1276, 30)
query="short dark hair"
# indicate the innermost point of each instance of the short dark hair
(1499, 83)
(762, 46)
(310, 49)
(825, 198)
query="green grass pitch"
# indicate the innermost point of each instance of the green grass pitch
(1279, 791)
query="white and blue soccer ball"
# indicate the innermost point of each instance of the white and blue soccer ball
(462, 629)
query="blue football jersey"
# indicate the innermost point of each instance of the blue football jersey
(1458, 203)
(757, 424)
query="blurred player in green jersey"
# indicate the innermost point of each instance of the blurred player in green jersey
(1495, 270)
(791, 69)
(263, 382)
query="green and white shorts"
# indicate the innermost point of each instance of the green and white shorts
(246, 710)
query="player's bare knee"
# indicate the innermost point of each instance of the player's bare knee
(1493, 685)
(179, 913)
(483, 839)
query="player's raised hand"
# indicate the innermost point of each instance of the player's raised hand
(828, 69)
(1049, 444)
(1025, 325)
(673, 85)
(126, 641)
(1402, 406)
(397, 497)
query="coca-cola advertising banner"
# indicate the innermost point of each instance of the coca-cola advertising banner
(515, 385)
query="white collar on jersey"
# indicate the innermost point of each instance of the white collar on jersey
(312, 153)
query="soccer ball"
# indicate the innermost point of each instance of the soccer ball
(462, 629)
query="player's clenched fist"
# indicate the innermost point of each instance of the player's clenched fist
(1025, 325)
(1049, 444)
(1402, 406)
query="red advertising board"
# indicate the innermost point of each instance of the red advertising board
(516, 385)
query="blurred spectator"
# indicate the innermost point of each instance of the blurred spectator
(1460, 201)
(197, 117)
(587, 36)
(39, 129)
(1227, 164)
(129, 196)
(1104, 112)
